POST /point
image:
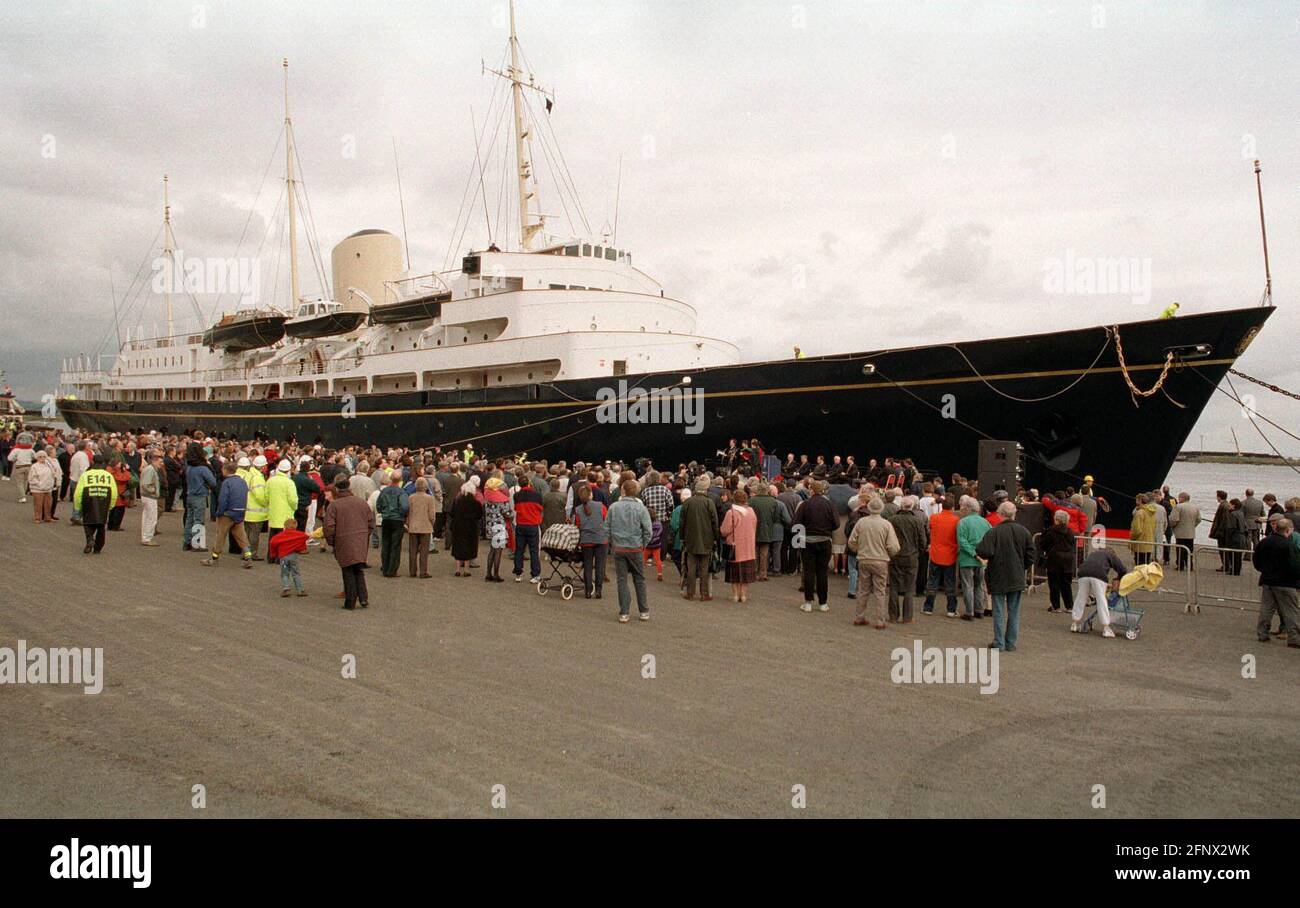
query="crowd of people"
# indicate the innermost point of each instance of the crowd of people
(899, 535)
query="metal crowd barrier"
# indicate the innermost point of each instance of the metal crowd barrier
(1225, 575)
(1177, 585)
(1197, 575)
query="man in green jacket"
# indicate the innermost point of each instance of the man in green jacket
(971, 528)
(392, 507)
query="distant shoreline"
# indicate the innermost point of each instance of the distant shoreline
(1246, 457)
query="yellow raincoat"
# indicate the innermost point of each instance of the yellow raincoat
(1142, 532)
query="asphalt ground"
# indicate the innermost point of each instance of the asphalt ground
(467, 692)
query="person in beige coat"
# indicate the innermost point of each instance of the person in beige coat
(875, 542)
(422, 511)
(43, 480)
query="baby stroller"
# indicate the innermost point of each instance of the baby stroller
(560, 543)
(1124, 616)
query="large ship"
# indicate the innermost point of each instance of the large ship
(563, 349)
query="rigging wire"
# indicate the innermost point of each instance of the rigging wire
(251, 210)
(313, 241)
(469, 181)
(1242, 403)
(1034, 400)
(577, 199)
(459, 238)
(1249, 413)
(198, 309)
(126, 295)
(550, 164)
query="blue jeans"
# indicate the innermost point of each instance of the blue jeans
(1007, 604)
(853, 574)
(625, 564)
(529, 537)
(195, 516)
(289, 571)
(972, 588)
(941, 576)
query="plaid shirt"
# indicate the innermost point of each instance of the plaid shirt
(659, 501)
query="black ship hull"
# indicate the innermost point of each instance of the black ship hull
(1063, 396)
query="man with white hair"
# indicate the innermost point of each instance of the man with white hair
(971, 528)
(79, 464)
(1184, 518)
(1008, 549)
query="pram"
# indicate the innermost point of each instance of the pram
(1123, 614)
(560, 543)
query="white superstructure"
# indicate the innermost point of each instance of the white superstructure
(550, 311)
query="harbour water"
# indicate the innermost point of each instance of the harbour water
(1201, 480)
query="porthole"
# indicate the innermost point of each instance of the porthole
(440, 343)
(498, 378)
(593, 326)
(485, 337)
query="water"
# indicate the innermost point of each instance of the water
(1201, 480)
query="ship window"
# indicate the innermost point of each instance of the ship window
(485, 337)
(620, 367)
(611, 255)
(586, 249)
(570, 250)
(439, 342)
(557, 286)
(599, 252)
(498, 378)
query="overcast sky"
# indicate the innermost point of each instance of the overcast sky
(839, 175)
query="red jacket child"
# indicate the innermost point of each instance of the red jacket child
(287, 542)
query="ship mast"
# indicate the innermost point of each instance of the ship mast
(1263, 233)
(530, 225)
(289, 191)
(169, 251)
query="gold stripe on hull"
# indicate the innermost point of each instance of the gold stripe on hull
(810, 389)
